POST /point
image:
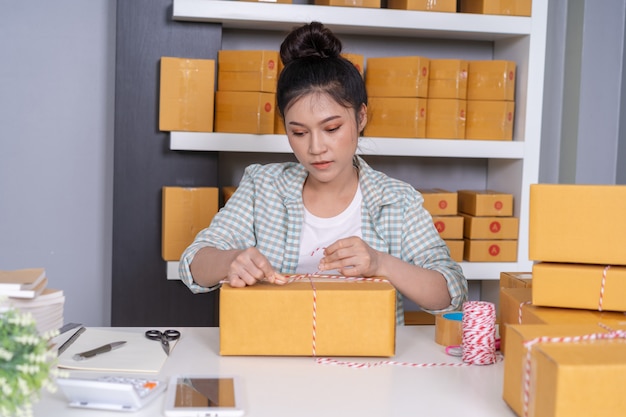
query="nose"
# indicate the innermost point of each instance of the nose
(317, 145)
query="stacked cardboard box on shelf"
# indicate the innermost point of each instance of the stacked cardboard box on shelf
(443, 207)
(499, 7)
(447, 104)
(186, 211)
(245, 99)
(187, 94)
(490, 100)
(424, 5)
(398, 91)
(562, 342)
(489, 229)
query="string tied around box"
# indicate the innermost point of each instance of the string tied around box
(602, 284)
(478, 346)
(529, 344)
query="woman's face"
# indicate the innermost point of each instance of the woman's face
(323, 136)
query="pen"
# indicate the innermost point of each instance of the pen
(99, 350)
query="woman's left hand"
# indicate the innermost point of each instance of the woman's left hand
(351, 257)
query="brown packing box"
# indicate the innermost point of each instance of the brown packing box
(491, 80)
(448, 78)
(227, 192)
(532, 314)
(439, 202)
(516, 279)
(402, 76)
(449, 227)
(186, 96)
(186, 211)
(358, 60)
(247, 70)
(500, 7)
(270, 1)
(279, 125)
(577, 224)
(398, 117)
(446, 118)
(244, 112)
(456, 249)
(486, 227)
(511, 302)
(423, 5)
(578, 368)
(349, 3)
(489, 120)
(579, 286)
(485, 203)
(353, 318)
(490, 250)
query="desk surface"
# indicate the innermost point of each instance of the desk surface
(288, 386)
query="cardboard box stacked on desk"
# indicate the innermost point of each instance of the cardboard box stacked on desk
(245, 99)
(567, 355)
(489, 228)
(443, 207)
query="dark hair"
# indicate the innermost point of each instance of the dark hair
(312, 60)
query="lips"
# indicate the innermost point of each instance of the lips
(321, 164)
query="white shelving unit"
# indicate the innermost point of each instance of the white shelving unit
(511, 166)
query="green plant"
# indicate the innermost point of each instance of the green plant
(26, 363)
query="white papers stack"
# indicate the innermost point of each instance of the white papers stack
(26, 290)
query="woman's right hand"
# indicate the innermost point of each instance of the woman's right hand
(251, 266)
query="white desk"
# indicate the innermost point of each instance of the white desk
(298, 386)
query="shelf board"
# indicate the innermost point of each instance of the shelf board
(352, 20)
(446, 148)
(474, 271)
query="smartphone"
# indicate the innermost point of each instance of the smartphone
(202, 395)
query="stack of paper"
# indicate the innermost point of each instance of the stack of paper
(26, 291)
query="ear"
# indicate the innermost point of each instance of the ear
(362, 117)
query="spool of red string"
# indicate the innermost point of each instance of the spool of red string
(479, 333)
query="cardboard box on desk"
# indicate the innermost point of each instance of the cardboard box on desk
(567, 379)
(592, 287)
(577, 224)
(403, 76)
(455, 246)
(398, 117)
(244, 112)
(352, 318)
(255, 70)
(186, 96)
(511, 302)
(516, 279)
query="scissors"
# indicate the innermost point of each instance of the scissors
(165, 337)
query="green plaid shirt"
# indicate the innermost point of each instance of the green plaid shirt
(267, 212)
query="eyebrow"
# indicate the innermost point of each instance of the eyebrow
(326, 120)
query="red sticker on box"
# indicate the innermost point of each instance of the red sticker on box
(498, 205)
(440, 226)
(271, 64)
(494, 250)
(443, 204)
(268, 107)
(495, 227)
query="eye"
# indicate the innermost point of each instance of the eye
(298, 133)
(333, 128)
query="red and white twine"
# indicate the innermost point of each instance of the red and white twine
(602, 284)
(528, 345)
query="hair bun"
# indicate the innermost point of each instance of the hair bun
(310, 40)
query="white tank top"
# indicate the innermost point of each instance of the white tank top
(319, 232)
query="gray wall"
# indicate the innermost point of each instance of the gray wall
(56, 113)
(56, 154)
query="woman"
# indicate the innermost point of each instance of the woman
(330, 212)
